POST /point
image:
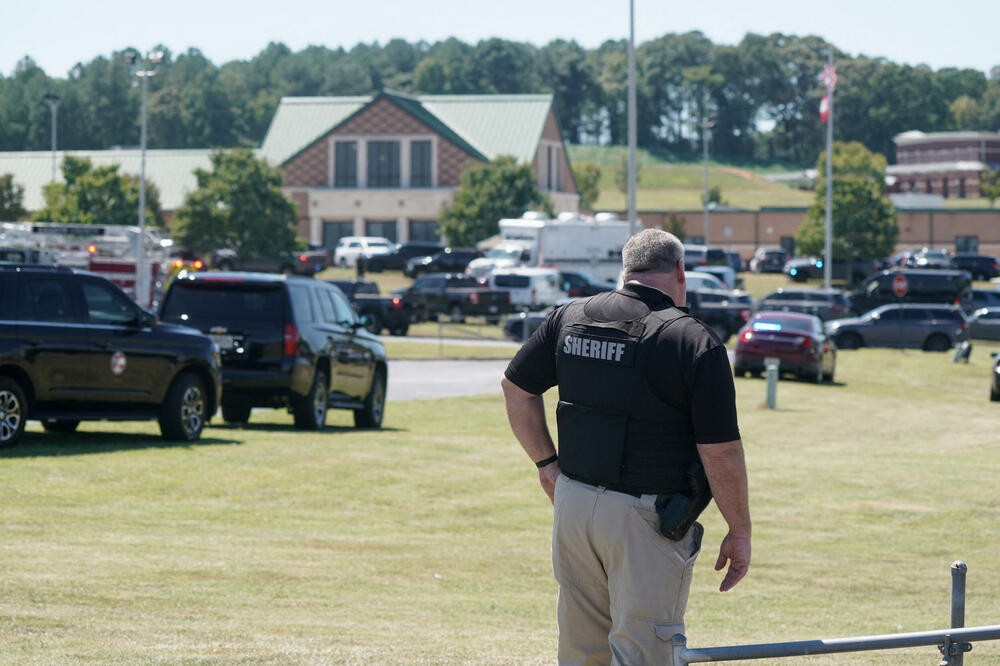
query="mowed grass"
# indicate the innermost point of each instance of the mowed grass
(427, 542)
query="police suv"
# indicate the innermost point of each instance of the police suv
(74, 347)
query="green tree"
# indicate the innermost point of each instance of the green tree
(488, 193)
(864, 220)
(97, 195)
(588, 178)
(989, 185)
(621, 174)
(675, 224)
(11, 199)
(239, 205)
(715, 196)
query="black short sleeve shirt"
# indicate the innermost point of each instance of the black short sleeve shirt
(689, 368)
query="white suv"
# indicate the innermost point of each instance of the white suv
(530, 288)
(349, 248)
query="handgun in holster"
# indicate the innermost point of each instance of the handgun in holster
(678, 511)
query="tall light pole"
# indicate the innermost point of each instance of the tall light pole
(706, 123)
(53, 100)
(830, 81)
(633, 219)
(144, 68)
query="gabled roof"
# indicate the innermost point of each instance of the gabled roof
(486, 126)
(172, 171)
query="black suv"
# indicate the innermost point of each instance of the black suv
(74, 347)
(924, 285)
(826, 304)
(396, 260)
(448, 260)
(981, 266)
(285, 341)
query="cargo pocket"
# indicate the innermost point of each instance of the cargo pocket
(591, 442)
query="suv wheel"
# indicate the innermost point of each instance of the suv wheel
(238, 413)
(13, 410)
(400, 330)
(455, 312)
(60, 425)
(374, 324)
(182, 416)
(848, 341)
(370, 416)
(937, 343)
(310, 410)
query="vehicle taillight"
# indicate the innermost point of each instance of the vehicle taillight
(303, 258)
(703, 262)
(198, 265)
(474, 298)
(92, 249)
(178, 263)
(397, 303)
(745, 315)
(806, 342)
(747, 335)
(291, 340)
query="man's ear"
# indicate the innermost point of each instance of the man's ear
(679, 273)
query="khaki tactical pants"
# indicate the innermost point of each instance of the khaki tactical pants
(623, 586)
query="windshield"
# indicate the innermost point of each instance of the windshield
(504, 253)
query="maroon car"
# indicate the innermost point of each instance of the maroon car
(797, 340)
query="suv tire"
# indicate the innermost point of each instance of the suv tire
(310, 410)
(60, 425)
(375, 324)
(238, 413)
(456, 314)
(849, 340)
(937, 342)
(13, 412)
(182, 416)
(400, 330)
(370, 416)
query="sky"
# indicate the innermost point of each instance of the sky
(57, 34)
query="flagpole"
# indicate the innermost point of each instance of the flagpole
(828, 244)
(633, 218)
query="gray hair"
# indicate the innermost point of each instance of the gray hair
(652, 251)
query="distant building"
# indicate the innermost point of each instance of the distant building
(946, 163)
(384, 165)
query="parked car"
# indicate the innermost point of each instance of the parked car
(983, 298)
(980, 266)
(456, 295)
(995, 379)
(697, 280)
(503, 255)
(529, 288)
(923, 286)
(797, 340)
(726, 275)
(826, 304)
(74, 347)
(801, 269)
(735, 260)
(395, 259)
(768, 260)
(285, 342)
(290, 263)
(984, 324)
(915, 325)
(577, 284)
(379, 312)
(349, 248)
(521, 325)
(929, 258)
(448, 260)
(725, 311)
(696, 256)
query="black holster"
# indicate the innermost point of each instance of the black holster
(678, 511)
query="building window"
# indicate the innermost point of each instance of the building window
(972, 154)
(345, 160)
(425, 230)
(383, 164)
(420, 164)
(548, 165)
(334, 231)
(967, 244)
(380, 228)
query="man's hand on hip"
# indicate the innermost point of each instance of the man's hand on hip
(547, 477)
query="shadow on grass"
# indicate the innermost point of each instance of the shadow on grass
(37, 444)
(288, 427)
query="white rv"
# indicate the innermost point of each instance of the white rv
(571, 242)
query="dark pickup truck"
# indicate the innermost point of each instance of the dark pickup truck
(722, 310)
(800, 269)
(306, 262)
(457, 296)
(382, 312)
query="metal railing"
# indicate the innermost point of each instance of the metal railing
(953, 643)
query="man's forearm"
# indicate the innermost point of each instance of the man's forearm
(726, 470)
(526, 413)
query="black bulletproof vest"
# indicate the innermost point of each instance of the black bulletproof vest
(613, 431)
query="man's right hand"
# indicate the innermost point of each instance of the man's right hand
(547, 477)
(735, 550)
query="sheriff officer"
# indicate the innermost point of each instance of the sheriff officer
(645, 392)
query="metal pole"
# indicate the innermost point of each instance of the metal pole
(704, 145)
(53, 101)
(828, 240)
(958, 570)
(142, 297)
(633, 219)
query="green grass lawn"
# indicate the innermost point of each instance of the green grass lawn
(428, 541)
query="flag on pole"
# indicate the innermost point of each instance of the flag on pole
(824, 108)
(830, 77)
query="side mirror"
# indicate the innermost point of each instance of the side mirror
(145, 319)
(362, 322)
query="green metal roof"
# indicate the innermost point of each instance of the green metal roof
(172, 171)
(486, 126)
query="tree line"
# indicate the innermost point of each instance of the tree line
(760, 95)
